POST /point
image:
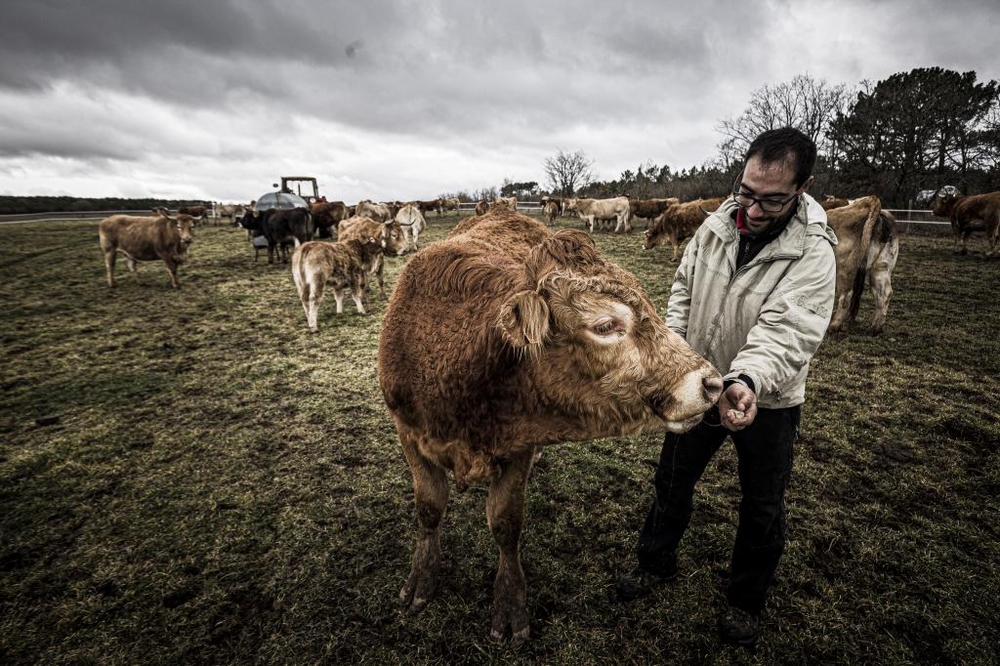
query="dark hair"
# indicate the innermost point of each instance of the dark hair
(776, 144)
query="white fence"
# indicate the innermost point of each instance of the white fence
(908, 219)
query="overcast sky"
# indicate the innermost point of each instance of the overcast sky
(406, 99)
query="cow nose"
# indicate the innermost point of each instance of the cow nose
(712, 388)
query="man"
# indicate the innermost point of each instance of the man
(753, 294)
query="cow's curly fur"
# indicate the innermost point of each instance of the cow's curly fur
(488, 350)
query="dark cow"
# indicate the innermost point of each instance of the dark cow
(650, 209)
(679, 222)
(327, 215)
(390, 235)
(506, 336)
(194, 211)
(339, 266)
(482, 206)
(278, 226)
(163, 236)
(978, 212)
(436, 205)
(867, 249)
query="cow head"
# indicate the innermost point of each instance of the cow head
(184, 224)
(943, 204)
(605, 346)
(393, 239)
(251, 220)
(653, 235)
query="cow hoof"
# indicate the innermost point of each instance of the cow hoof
(415, 595)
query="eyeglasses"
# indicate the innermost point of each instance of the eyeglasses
(766, 205)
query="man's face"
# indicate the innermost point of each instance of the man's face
(774, 184)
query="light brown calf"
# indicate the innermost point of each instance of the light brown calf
(390, 235)
(340, 266)
(678, 223)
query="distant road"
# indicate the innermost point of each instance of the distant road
(18, 218)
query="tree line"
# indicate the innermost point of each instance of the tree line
(914, 131)
(13, 205)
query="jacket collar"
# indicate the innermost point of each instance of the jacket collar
(809, 220)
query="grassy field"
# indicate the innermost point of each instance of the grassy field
(191, 477)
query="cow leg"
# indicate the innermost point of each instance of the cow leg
(357, 291)
(380, 264)
(338, 295)
(171, 268)
(676, 245)
(302, 286)
(994, 240)
(270, 252)
(842, 306)
(110, 255)
(505, 515)
(880, 282)
(430, 494)
(316, 289)
(133, 268)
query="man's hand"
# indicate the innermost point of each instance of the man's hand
(737, 407)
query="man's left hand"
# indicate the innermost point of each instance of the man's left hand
(737, 407)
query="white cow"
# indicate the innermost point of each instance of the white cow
(412, 221)
(616, 208)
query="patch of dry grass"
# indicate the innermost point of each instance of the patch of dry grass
(191, 476)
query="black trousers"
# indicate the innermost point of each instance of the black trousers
(764, 450)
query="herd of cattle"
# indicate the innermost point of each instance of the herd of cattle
(507, 335)
(369, 231)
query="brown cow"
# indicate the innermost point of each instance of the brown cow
(506, 336)
(650, 209)
(452, 204)
(979, 212)
(867, 247)
(551, 208)
(391, 238)
(830, 202)
(339, 266)
(679, 222)
(482, 207)
(327, 215)
(377, 211)
(509, 202)
(162, 236)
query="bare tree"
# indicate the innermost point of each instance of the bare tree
(568, 172)
(803, 103)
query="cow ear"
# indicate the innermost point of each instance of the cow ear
(524, 319)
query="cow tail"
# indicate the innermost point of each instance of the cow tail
(859, 286)
(861, 274)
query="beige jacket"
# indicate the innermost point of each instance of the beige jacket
(767, 319)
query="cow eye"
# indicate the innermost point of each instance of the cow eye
(607, 327)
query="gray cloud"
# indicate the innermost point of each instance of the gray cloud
(369, 94)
